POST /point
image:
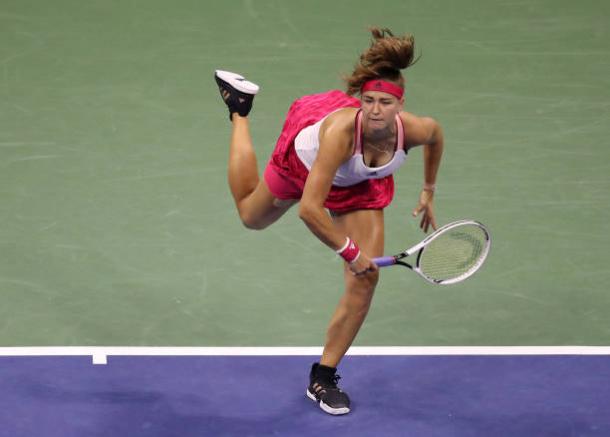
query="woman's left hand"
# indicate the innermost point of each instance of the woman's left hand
(426, 205)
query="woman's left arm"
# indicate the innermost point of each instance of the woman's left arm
(427, 132)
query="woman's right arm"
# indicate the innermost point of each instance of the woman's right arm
(335, 148)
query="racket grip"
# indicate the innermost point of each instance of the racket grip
(384, 261)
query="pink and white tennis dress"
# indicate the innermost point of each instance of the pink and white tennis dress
(355, 185)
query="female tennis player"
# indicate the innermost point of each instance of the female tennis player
(337, 153)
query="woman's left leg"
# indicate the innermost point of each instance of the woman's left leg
(366, 228)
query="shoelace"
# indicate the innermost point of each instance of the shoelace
(331, 382)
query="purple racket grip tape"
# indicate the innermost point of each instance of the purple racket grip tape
(384, 261)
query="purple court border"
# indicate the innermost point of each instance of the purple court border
(252, 395)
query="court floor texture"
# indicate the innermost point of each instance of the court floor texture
(264, 394)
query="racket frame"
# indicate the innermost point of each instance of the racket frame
(421, 246)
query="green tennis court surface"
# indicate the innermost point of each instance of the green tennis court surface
(117, 226)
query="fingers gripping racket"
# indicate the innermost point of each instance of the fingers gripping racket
(451, 254)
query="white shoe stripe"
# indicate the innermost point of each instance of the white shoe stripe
(334, 411)
(326, 408)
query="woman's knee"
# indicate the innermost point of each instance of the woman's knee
(252, 221)
(366, 282)
(359, 290)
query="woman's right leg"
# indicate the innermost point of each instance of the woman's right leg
(257, 206)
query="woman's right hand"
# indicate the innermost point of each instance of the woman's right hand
(362, 265)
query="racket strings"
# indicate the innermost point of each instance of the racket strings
(454, 253)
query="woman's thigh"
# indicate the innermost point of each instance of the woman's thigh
(261, 208)
(365, 227)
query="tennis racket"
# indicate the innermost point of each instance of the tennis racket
(451, 254)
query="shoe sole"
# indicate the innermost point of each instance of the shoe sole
(326, 408)
(238, 82)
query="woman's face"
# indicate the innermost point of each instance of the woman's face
(379, 109)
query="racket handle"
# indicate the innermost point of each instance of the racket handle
(384, 261)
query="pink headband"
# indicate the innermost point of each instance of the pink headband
(383, 86)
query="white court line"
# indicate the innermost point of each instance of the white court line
(99, 354)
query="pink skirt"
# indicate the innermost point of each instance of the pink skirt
(285, 174)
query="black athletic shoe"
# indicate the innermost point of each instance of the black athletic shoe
(323, 390)
(237, 92)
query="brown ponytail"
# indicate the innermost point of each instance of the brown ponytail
(387, 55)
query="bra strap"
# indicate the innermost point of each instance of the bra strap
(400, 134)
(358, 134)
